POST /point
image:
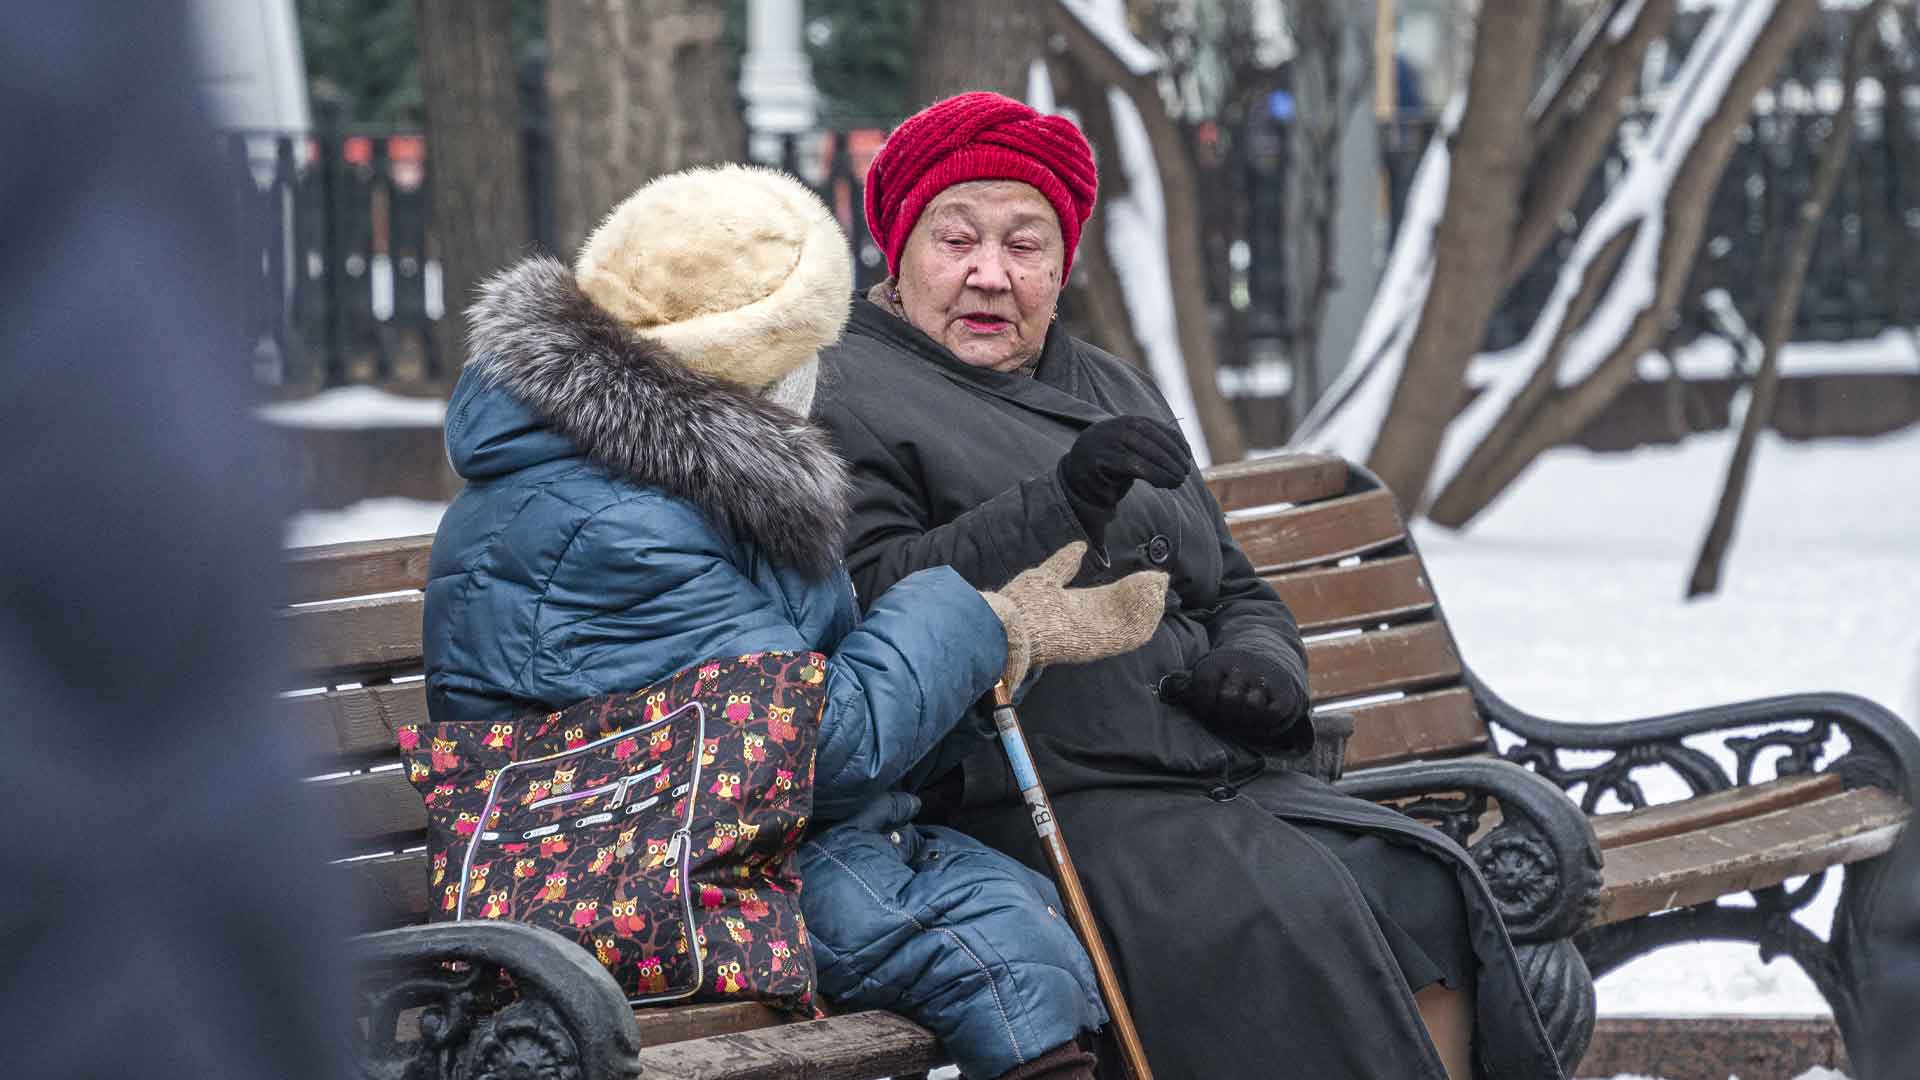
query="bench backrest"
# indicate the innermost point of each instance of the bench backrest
(1331, 542)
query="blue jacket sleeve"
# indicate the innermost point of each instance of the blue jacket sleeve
(928, 648)
(648, 588)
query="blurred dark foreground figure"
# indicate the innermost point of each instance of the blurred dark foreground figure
(160, 901)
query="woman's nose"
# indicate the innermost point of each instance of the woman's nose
(989, 274)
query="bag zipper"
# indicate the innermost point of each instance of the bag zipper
(683, 836)
(619, 787)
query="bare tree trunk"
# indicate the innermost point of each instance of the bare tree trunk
(637, 89)
(1786, 305)
(961, 45)
(478, 198)
(1576, 120)
(1103, 318)
(1522, 435)
(1185, 259)
(1490, 158)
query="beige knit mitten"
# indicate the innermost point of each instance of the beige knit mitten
(1048, 623)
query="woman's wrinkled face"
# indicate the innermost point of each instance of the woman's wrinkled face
(981, 272)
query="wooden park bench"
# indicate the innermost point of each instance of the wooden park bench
(1818, 781)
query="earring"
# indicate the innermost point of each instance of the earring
(1055, 317)
(893, 293)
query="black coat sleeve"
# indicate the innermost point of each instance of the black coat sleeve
(1247, 614)
(892, 533)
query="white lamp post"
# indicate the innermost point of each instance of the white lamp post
(775, 79)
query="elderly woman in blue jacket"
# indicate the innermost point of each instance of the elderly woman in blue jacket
(644, 492)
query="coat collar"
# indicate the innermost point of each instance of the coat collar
(1045, 391)
(624, 400)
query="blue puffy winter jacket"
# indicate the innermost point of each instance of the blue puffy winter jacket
(624, 519)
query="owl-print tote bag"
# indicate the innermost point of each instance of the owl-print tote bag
(656, 828)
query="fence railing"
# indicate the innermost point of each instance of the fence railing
(343, 287)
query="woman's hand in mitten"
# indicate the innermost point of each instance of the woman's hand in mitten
(1048, 623)
(1109, 456)
(1248, 695)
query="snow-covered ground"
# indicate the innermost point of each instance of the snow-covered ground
(1566, 597)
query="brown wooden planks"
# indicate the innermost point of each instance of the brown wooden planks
(1410, 657)
(1343, 597)
(390, 890)
(1323, 532)
(354, 724)
(660, 1025)
(1281, 478)
(356, 636)
(856, 1046)
(1672, 819)
(369, 805)
(338, 571)
(1736, 856)
(1441, 723)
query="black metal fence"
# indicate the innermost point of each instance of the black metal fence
(343, 286)
(337, 250)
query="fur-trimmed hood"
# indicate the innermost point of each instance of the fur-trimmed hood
(626, 403)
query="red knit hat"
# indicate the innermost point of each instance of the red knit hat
(978, 136)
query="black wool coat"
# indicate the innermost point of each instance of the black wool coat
(1245, 946)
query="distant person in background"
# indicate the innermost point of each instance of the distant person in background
(161, 905)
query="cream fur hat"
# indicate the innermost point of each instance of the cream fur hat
(740, 271)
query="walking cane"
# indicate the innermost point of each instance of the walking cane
(1079, 912)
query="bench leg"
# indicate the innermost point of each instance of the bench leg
(1562, 991)
(561, 1015)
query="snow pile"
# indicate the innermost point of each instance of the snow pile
(355, 407)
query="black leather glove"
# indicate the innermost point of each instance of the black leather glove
(1249, 696)
(1109, 456)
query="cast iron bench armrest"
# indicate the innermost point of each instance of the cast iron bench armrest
(1884, 751)
(568, 1008)
(1541, 862)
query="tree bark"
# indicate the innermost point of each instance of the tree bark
(1185, 260)
(1519, 437)
(1102, 317)
(1490, 157)
(1577, 123)
(1786, 306)
(961, 45)
(478, 193)
(637, 89)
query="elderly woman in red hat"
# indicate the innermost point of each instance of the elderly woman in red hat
(1263, 923)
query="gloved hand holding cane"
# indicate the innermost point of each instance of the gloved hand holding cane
(1049, 623)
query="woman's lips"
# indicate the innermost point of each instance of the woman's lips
(981, 323)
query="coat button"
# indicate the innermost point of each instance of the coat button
(894, 836)
(1223, 793)
(1158, 549)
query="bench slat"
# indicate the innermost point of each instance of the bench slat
(1283, 478)
(1438, 724)
(1344, 597)
(1701, 811)
(336, 571)
(660, 1024)
(1751, 853)
(336, 642)
(1416, 656)
(1323, 532)
(352, 724)
(370, 806)
(852, 1047)
(389, 890)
